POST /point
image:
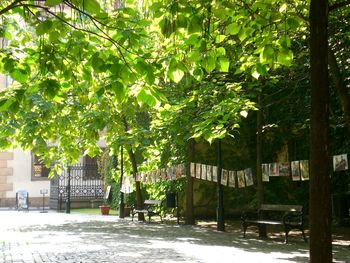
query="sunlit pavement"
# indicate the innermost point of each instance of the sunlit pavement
(56, 237)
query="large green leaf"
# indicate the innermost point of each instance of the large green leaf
(19, 75)
(6, 103)
(195, 25)
(44, 27)
(119, 90)
(145, 97)
(224, 64)
(285, 57)
(176, 75)
(92, 6)
(209, 62)
(267, 54)
(233, 29)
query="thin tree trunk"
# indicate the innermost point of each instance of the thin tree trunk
(320, 198)
(121, 194)
(259, 124)
(189, 220)
(340, 86)
(139, 201)
(220, 191)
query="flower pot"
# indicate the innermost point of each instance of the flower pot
(104, 209)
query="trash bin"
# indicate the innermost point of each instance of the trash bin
(171, 200)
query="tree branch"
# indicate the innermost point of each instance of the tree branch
(338, 5)
(9, 7)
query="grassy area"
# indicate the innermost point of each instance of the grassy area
(92, 211)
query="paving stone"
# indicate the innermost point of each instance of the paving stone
(71, 238)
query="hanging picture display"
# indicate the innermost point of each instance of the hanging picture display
(127, 185)
(204, 172)
(149, 178)
(232, 179)
(143, 177)
(163, 174)
(215, 173)
(193, 169)
(182, 168)
(198, 170)
(153, 177)
(138, 177)
(284, 169)
(248, 177)
(240, 179)
(295, 169)
(265, 172)
(178, 172)
(340, 162)
(274, 169)
(209, 173)
(169, 173)
(157, 175)
(224, 177)
(304, 170)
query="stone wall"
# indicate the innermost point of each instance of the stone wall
(5, 173)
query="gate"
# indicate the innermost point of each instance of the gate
(85, 185)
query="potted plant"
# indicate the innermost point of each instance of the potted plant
(104, 208)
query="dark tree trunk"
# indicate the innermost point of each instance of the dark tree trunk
(259, 124)
(340, 86)
(139, 201)
(320, 198)
(121, 194)
(220, 191)
(189, 220)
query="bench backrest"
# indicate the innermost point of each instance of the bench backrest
(282, 208)
(152, 202)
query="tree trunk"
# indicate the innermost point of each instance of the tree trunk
(320, 198)
(121, 194)
(259, 124)
(189, 220)
(220, 192)
(342, 90)
(139, 201)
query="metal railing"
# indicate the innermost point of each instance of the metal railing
(79, 182)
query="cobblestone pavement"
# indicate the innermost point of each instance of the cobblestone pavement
(33, 237)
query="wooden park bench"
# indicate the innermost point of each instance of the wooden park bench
(289, 216)
(151, 208)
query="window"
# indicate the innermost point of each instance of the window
(40, 171)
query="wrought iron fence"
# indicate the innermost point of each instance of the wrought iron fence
(85, 184)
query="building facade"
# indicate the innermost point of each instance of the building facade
(17, 173)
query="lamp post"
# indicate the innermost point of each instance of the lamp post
(68, 192)
(121, 195)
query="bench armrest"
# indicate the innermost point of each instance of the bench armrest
(249, 215)
(295, 218)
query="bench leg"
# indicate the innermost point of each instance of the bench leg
(262, 230)
(244, 228)
(286, 237)
(305, 239)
